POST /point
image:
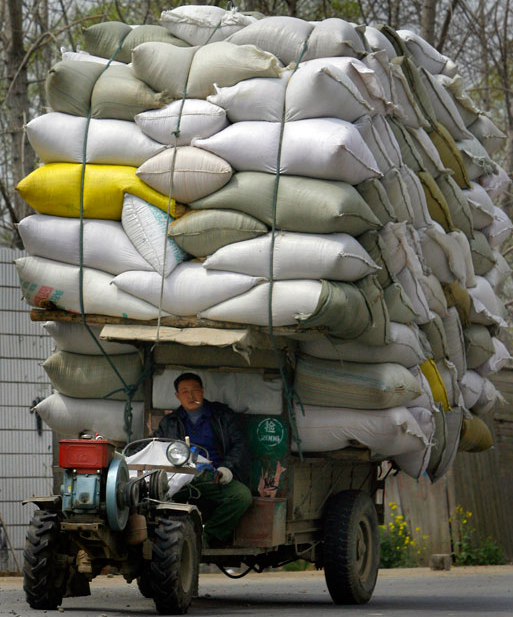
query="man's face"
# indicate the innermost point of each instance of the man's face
(190, 394)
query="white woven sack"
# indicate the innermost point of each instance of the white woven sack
(377, 41)
(189, 288)
(70, 416)
(475, 157)
(488, 134)
(386, 432)
(404, 348)
(423, 53)
(471, 386)
(499, 274)
(105, 244)
(455, 87)
(193, 117)
(44, 279)
(146, 227)
(415, 292)
(290, 300)
(382, 153)
(335, 256)
(242, 392)
(484, 307)
(86, 57)
(498, 231)
(481, 206)
(320, 88)
(455, 341)
(59, 138)
(334, 37)
(325, 148)
(443, 254)
(378, 62)
(445, 109)
(398, 195)
(198, 25)
(189, 175)
(434, 294)
(425, 400)
(487, 399)
(406, 107)
(498, 361)
(449, 376)
(76, 338)
(420, 216)
(282, 36)
(415, 463)
(260, 98)
(496, 183)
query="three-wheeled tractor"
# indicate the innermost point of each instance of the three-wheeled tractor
(116, 514)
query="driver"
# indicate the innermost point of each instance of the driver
(224, 494)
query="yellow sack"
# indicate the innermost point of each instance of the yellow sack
(436, 202)
(475, 436)
(55, 189)
(450, 155)
(436, 383)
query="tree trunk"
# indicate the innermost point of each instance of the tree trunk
(427, 21)
(22, 156)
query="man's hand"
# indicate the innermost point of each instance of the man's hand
(224, 475)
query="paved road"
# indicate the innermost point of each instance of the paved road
(474, 591)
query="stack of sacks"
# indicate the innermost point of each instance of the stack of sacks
(361, 148)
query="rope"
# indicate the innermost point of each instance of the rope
(176, 135)
(289, 392)
(129, 390)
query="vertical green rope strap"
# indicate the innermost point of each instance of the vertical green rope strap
(289, 392)
(129, 390)
(176, 135)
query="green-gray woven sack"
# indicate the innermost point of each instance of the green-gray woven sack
(109, 37)
(202, 232)
(329, 383)
(303, 204)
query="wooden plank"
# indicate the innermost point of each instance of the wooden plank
(176, 322)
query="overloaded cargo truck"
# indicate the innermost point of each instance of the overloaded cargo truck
(302, 213)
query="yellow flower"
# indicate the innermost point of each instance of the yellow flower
(425, 537)
(399, 517)
(417, 528)
(464, 521)
(469, 514)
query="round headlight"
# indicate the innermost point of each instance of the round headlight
(178, 453)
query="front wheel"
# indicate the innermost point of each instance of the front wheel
(174, 566)
(44, 567)
(351, 547)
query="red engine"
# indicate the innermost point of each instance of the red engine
(84, 455)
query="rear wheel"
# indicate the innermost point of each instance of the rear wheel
(351, 547)
(45, 568)
(174, 566)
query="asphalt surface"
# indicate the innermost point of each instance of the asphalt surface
(476, 591)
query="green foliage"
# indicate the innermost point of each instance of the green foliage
(398, 548)
(297, 566)
(469, 549)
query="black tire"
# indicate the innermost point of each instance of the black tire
(174, 566)
(45, 570)
(351, 547)
(144, 584)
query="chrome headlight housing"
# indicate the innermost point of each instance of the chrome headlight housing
(178, 453)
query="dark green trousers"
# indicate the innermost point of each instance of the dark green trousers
(221, 505)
